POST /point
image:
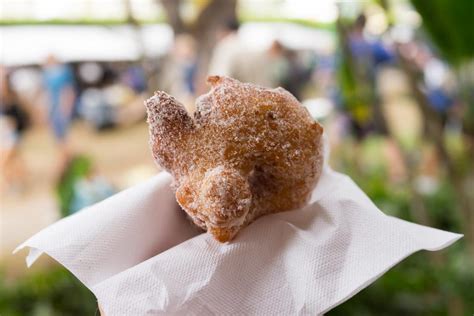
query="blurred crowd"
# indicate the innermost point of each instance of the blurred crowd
(395, 97)
(110, 94)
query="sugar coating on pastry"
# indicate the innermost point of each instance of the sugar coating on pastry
(247, 152)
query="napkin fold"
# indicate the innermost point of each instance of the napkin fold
(139, 254)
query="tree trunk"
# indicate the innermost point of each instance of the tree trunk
(136, 30)
(171, 8)
(204, 30)
(213, 17)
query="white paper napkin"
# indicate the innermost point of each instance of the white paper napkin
(139, 254)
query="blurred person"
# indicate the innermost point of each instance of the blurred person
(96, 110)
(230, 58)
(115, 100)
(134, 77)
(254, 67)
(178, 73)
(227, 49)
(325, 75)
(27, 82)
(435, 82)
(276, 65)
(267, 68)
(118, 98)
(367, 56)
(59, 84)
(13, 123)
(297, 74)
(90, 189)
(366, 115)
(98, 106)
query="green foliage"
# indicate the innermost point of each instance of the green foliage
(53, 293)
(244, 18)
(450, 26)
(77, 168)
(417, 286)
(355, 85)
(426, 283)
(347, 81)
(449, 23)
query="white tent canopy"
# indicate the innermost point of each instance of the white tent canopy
(31, 44)
(260, 36)
(23, 45)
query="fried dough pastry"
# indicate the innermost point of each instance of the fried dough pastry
(249, 151)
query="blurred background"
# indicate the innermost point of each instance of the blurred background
(392, 82)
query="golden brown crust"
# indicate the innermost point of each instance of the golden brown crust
(248, 151)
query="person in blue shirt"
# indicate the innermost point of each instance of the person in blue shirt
(59, 86)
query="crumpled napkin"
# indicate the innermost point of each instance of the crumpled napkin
(139, 254)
